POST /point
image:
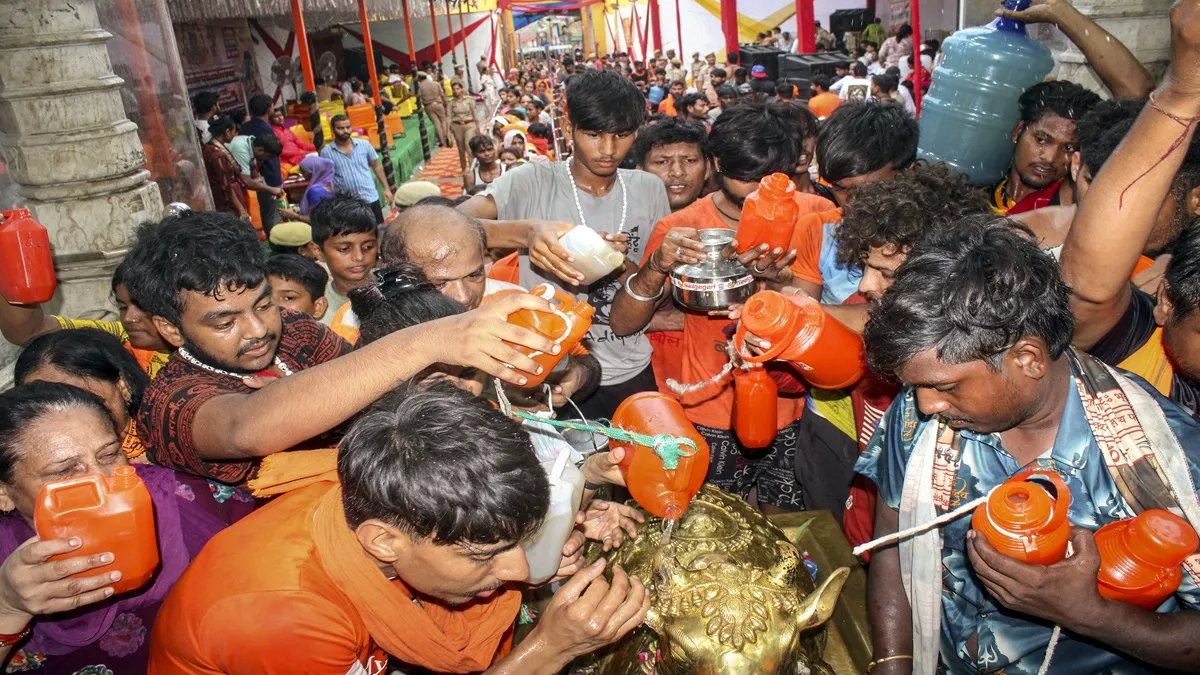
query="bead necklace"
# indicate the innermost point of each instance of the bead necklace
(575, 193)
(187, 356)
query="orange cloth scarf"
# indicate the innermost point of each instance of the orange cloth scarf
(463, 639)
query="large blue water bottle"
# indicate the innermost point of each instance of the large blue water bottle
(968, 115)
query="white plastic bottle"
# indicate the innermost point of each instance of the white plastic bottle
(543, 550)
(593, 256)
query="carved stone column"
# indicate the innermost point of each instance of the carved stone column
(69, 146)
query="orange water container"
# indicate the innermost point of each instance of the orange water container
(828, 354)
(755, 414)
(112, 515)
(566, 325)
(26, 261)
(769, 214)
(1022, 520)
(1140, 557)
(663, 492)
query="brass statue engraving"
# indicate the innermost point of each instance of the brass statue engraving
(731, 596)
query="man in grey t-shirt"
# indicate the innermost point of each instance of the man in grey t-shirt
(530, 207)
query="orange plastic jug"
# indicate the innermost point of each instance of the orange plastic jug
(26, 261)
(112, 515)
(769, 214)
(1140, 557)
(1022, 520)
(828, 354)
(755, 415)
(663, 492)
(566, 325)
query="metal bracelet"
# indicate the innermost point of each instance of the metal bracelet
(642, 298)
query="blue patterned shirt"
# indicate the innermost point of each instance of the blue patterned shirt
(1011, 643)
(352, 173)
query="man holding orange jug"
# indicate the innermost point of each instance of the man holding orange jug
(977, 325)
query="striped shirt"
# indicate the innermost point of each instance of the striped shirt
(352, 173)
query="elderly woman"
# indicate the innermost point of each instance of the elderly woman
(51, 431)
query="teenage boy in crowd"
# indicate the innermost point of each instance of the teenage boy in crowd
(347, 240)
(748, 143)
(298, 283)
(412, 556)
(204, 286)
(532, 207)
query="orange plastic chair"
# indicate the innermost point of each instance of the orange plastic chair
(394, 124)
(361, 115)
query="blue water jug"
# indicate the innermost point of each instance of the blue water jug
(968, 115)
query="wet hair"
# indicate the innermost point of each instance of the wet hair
(728, 91)
(206, 252)
(971, 291)
(755, 139)
(480, 143)
(259, 105)
(340, 215)
(1065, 99)
(899, 212)
(669, 131)
(402, 297)
(1102, 129)
(22, 406)
(301, 270)
(603, 101)
(434, 200)
(204, 101)
(269, 144)
(862, 137)
(88, 353)
(1182, 278)
(821, 80)
(688, 101)
(394, 247)
(441, 464)
(859, 69)
(219, 124)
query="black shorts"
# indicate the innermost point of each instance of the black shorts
(825, 465)
(737, 470)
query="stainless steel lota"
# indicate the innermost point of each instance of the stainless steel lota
(716, 282)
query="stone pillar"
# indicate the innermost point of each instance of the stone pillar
(1141, 25)
(70, 148)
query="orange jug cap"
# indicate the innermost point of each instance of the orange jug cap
(1161, 538)
(1020, 506)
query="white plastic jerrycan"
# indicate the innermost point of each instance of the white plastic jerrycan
(543, 550)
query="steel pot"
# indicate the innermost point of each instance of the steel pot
(716, 282)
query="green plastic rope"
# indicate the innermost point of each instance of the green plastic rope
(668, 448)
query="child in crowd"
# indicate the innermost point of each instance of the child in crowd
(346, 238)
(298, 283)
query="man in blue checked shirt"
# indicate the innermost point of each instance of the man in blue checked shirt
(353, 161)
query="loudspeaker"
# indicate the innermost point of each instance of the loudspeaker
(804, 66)
(757, 55)
(852, 20)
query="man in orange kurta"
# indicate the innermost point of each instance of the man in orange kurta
(412, 552)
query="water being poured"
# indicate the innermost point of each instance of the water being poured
(668, 528)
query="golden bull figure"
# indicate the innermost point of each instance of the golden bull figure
(731, 596)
